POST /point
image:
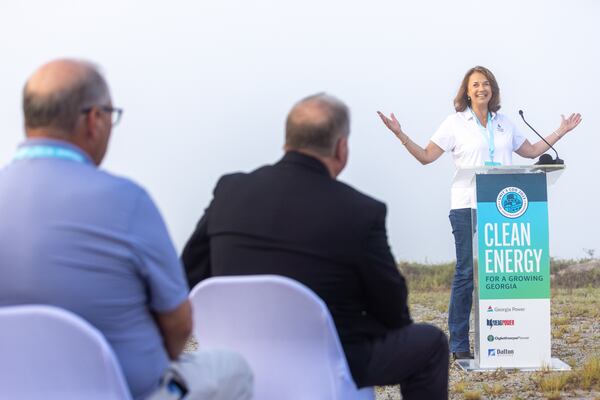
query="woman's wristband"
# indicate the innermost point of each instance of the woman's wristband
(557, 135)
(405, 141)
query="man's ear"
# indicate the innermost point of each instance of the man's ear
(91, 124)
(342, 149)
(341, 153)
(88, 134)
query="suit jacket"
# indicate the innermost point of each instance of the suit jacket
(293, 219)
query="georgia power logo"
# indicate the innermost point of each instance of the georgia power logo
(512, 202)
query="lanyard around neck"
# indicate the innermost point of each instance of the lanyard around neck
(49, 151)
(487, 132)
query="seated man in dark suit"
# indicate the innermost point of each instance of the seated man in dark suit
(294, 218)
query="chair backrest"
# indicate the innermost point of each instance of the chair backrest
(283, 329)
(50, 353)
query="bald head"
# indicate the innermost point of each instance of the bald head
(316, 123)
(55, 94)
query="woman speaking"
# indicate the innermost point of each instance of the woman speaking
(476, 135)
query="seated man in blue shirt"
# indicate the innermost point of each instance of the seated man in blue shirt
(79, 238)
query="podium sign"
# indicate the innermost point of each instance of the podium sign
(512, 282)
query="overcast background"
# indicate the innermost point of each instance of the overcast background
(206, 86)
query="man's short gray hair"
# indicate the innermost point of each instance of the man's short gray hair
(61, 109)
(316, 123)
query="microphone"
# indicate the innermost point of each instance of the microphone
(545, 159)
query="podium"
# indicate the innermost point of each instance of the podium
(511, 263)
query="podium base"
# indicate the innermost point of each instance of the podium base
(555, 365)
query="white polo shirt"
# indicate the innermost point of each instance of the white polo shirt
(460, 134)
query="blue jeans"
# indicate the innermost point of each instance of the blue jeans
(461, 296)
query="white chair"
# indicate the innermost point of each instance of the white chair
(50, 353)
(284, 331)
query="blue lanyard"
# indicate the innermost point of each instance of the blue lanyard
(48, 151)
(487, 133)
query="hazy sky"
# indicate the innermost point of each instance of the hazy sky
(206, 86)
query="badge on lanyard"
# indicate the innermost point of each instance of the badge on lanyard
(488, 134)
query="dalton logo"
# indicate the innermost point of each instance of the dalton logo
(512, 202)
(500, 322)
(501, 352)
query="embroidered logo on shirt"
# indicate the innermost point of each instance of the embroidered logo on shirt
(499, 128)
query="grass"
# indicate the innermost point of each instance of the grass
(589, 375)
(459, 387)
(553, 396)
(493, 390)
(439, 276)
(575, 325)
(564, 277)
(563, 320)
(575, 335)
(432, 299)
(560, 331)
(553, 382)
(427, 277)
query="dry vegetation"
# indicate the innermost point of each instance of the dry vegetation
(575, 336)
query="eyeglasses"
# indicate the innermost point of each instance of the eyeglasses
(115, 112)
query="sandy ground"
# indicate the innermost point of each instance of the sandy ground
(575, 337)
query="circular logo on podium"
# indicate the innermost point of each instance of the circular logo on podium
(512, 202)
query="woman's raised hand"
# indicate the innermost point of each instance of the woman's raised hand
(567, 124)
(393, 125)
(424, 155)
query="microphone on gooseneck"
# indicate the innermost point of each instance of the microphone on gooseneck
(545, 159)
